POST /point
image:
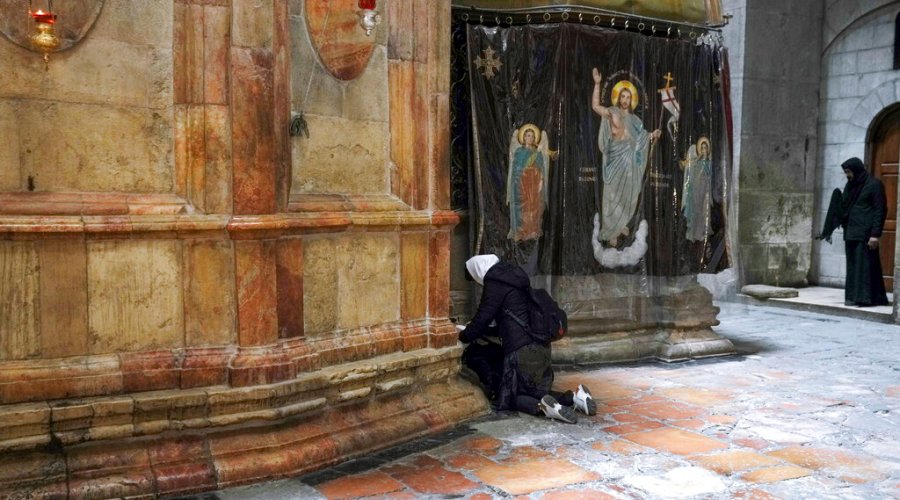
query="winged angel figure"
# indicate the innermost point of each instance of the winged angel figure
(527, 181)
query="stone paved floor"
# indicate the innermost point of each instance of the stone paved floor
(810, 409)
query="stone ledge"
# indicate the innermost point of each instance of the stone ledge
(209, 459)
(72, 421)
(111, 374)
(176, 226)
(769, 292)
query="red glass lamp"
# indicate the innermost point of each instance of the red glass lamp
(368, 17)
(45, 39)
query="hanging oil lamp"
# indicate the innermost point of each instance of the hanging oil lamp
(368, 18)
(45, 39)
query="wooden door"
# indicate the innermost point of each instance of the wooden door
(886, 166)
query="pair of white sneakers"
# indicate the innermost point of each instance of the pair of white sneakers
(582, 401)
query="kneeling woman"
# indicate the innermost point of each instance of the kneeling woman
(527, 368)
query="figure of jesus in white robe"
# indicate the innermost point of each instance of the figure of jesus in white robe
(624, 143)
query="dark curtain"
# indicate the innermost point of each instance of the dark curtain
(528, 149)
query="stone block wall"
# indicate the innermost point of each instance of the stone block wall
(189, 297)
(774, 54)
(858, 83)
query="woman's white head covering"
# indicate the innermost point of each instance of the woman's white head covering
(478, 266)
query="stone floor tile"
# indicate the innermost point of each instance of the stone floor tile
(729, 462)
(775, 474)
(847, 466)
(625, 429)
(619, 447)
(697, 396)
(578, 494)
(628, 418)
(485, 445)
(753, 494)
(360, 485)
(528, 477)
(526, 454)
(692, 423)
(721, 419)
(676, 441)
(679, 482)
(756, 444)
(427, 475)
(467, 461)
(481, 496)
(633, 400)
(666, 410)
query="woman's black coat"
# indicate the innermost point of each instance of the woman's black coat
(505, 287)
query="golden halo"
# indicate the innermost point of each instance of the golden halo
(532, 127)
(624, 84)
(703, 140)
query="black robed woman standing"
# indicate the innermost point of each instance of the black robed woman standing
(860, 210)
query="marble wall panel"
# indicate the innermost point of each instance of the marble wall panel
(209, 301)
(63, 297)
(136, 22)
(135, 295)
(188, 54)
(252, 130)
(320, 286)
(414, 275)
(341, 156)
(10, 168)
(256, 292)
(314, 90)
(289, 278)
(99, 148)
(217, 173)
(368, 279)
(366, 97)
(216, 45)
(440, 152)
(439, 46)
(19, 292)
(439, 275)
(401, 39)
(403, 129)
(253, 24)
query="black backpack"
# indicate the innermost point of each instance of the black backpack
(547, 322)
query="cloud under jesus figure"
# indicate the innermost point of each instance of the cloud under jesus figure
(625, 144)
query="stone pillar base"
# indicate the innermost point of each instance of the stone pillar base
(621, 318)
(182, 441)
(623, 347)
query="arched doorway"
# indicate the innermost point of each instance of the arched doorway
(884, 151)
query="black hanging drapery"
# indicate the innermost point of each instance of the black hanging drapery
(632, 180)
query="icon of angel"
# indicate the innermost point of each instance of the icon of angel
(696, 198)
(527, 181)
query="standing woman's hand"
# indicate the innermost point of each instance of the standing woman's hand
(873, 243)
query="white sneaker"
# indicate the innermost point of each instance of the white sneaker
(584, 401)
(552, 409)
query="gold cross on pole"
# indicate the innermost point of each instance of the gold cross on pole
(668, 79)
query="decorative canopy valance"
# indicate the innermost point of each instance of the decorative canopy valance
(697, 12)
